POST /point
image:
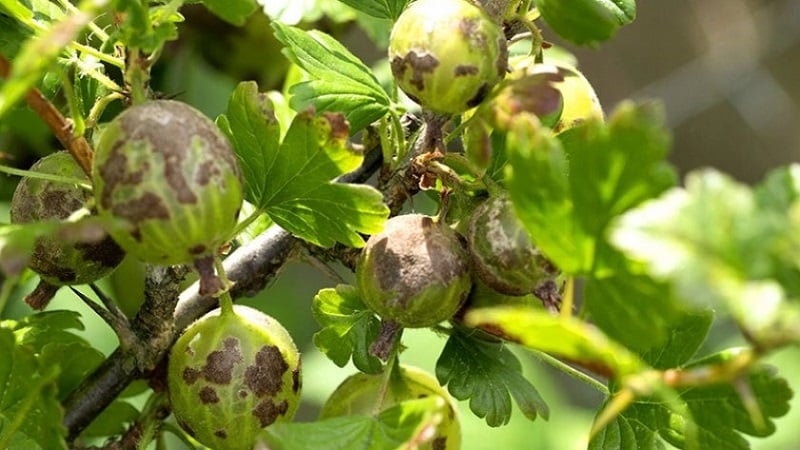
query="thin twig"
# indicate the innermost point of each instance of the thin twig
(58, 124)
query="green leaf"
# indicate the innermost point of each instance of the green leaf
(634, 310)
(586, 21)
(29, 409)
(47, 334)
(293, 181)
(627, 433)
(729, 265)
(302, 197)
(719, 417)
(147, 28)
(382, 9)
(394, 428)
(254, 131)
(489, 375)
(592, 174)
(564, 337)
(39, 52)
(12, 35)
(348, 328)
(340, 81)
(778, 197)
(771, 392)
(32, 13)
(235, 12)
(685, 336)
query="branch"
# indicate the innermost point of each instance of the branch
(250, 267)
(61, 127)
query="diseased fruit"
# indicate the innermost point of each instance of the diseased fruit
(580, 100)
(364, 394)
(447, 55)
(503, 255)
(56, 261)
(168, 171)
(232, 374)
(415, 272)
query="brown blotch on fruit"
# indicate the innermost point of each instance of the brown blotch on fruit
(465, 69)
(186, 427)
(148, 206)
(265, 376)
(105, 252)
(115, 171)
(161, 125)
(296, 380)
(440, 443)
(190, 376)
(470, 29)
(339, 127)
(419, 65)
(267, 411)
(479, 96)
(198, 249)
(219, 364)
(222, 434)
(208, 395)
(205, 171)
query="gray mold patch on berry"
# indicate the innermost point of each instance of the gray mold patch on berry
(267, 411)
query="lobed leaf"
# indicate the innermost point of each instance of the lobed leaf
(489, 375)
(348, 328)
(340, 81)
(718, 416)
(293, 181)
(30, 414)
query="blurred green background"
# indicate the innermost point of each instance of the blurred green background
(728, 72)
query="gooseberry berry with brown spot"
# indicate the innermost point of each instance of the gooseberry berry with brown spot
(230, 374)
(447, 55)
(168, 173)
(415, 272)
(58, 261)
(503, 254)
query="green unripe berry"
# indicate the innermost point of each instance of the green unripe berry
(447, 55)
(58, 262)
(232, 374)
(365, 394)
(503, 255)
(168, 171)
(415, 272)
